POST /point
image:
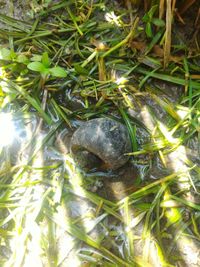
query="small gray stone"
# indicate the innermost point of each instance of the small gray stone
(103, 140)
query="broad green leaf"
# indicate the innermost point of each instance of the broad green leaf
(158, 22)
(169, 204)
(58, 72)
(146, 18)
(148, 30)
(36, 66)
(22, 59)
(173, 215)
(5, 54)
(45, 60)
(36, 58)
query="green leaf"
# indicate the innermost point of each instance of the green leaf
(5, 54)
(158, 22)
(45, 60)
(80, 70)
(13, 55)
(22, 59)
(36, 66)
(146, 18)
(58, 72)
(152, 11)
(36, 58)
(149, 16)
(149, 30)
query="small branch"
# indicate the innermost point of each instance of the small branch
(123, 42)
(167, 45)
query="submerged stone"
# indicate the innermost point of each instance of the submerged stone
(101, 142)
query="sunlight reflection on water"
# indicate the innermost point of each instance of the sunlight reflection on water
(7, 129)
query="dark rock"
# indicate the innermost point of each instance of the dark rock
(102, 141)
